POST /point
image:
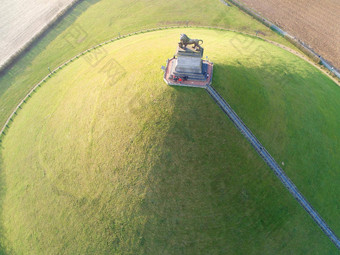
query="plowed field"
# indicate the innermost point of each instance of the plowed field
(21, 20)
(312, 21)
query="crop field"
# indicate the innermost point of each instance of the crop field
(22, 20)
(117, 161)
(314, 22)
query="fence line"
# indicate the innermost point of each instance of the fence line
(28, 95)
(300, 44)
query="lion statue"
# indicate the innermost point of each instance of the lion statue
(185, 40)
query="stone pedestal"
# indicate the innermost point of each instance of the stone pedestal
(188, 69)
(189, 64)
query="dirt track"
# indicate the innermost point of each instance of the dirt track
(314, 22)
(21, 20)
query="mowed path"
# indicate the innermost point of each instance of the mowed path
(226, 108)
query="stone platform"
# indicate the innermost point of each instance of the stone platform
(172, 78)
(189, 64)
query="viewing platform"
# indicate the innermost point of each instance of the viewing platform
(182, 79)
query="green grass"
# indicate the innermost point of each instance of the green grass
(294, 110)
(109, 159)
(94, 21)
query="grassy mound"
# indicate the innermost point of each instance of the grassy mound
(94, 21)
(106, 158)
(293, 109)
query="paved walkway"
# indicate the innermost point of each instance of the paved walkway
(273, 165)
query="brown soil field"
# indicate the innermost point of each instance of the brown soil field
(22, 20)
(315, 22)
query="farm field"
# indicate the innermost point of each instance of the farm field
(314, 22)
(83, 28)
(21, 20)
(102, 161)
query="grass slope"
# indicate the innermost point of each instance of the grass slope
(294, 110)
(108, 159)
(94, 21)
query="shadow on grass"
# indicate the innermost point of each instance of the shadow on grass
(204, 187)
(207, 191)
(22, 60)
(210, 193)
